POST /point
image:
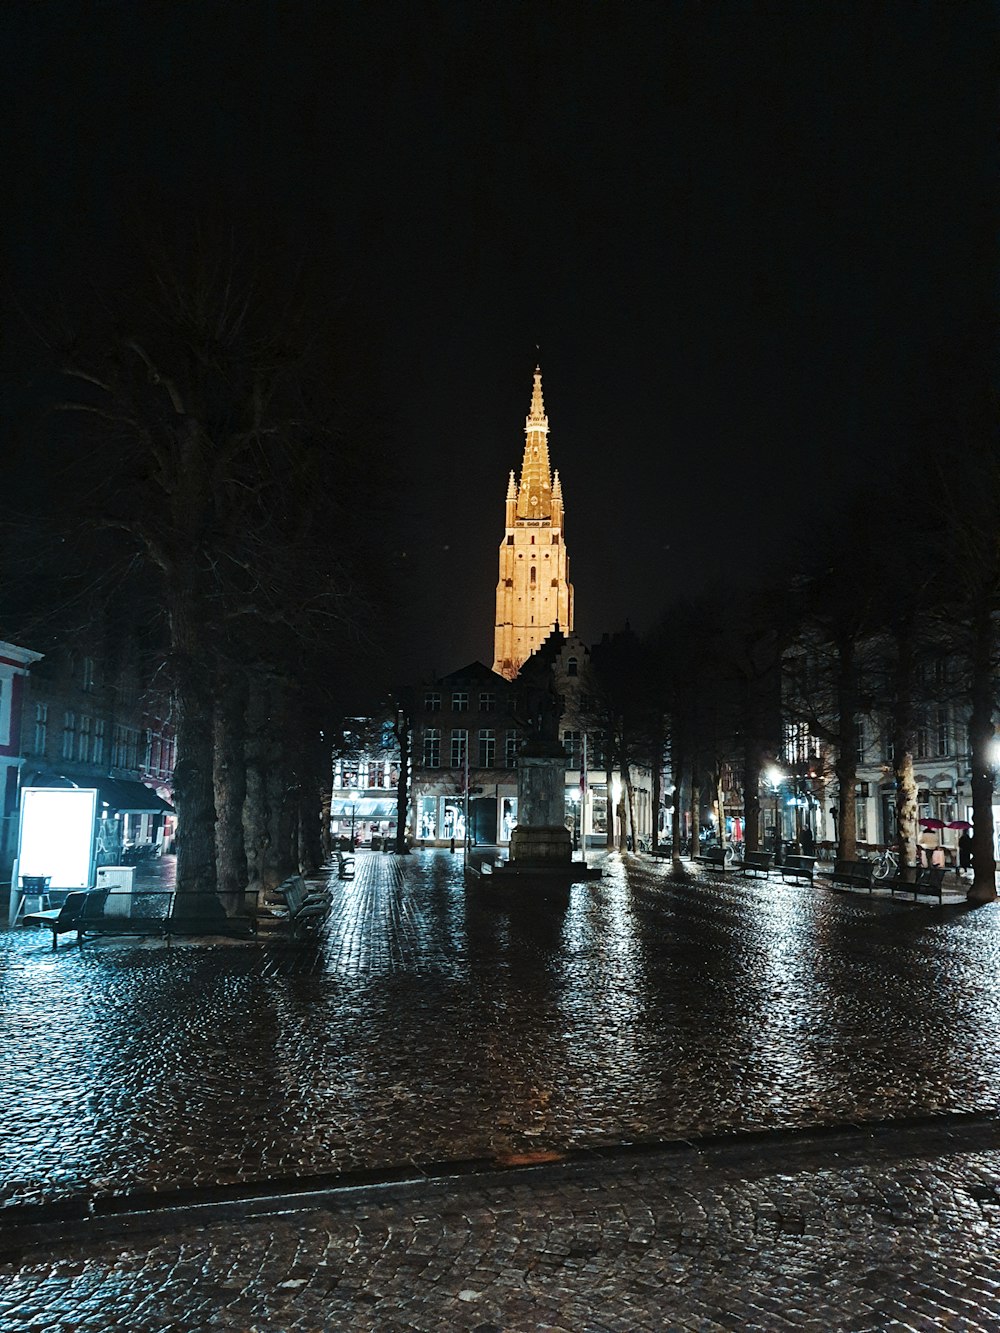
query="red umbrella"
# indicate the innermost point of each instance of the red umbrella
(959, 823)
(933, 823)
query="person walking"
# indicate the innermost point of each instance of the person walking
(807, 842)
(964, 850)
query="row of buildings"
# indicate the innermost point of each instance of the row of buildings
(77, 720)
(466, 732)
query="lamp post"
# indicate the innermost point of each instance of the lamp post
(775, 777)
(354, 810)
(574, 799)
(616, 796)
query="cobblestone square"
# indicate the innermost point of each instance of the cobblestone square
(433, 1022)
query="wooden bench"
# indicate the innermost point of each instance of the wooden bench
(714, 858)
(663, 850)
(853, 874)
(301, 908)
(928, 879)
(61, 919)
(141, 912)
(796, 868)
(757, 863)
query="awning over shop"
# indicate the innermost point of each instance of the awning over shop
(365, 807)
(132, 798)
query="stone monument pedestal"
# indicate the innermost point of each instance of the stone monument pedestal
(541, 847)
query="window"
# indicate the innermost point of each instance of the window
(132, 756)
(861, 819)
(459, 740)
(41, 728)
(573, 667)
(460, 701)
(487, 748)
(83, 741)
(511, 745)
(88, 675)
(573, 745)
(487, 703)
(98, 751)
(862, 738)
(510, 541)
(532, 579)
(69, 735)
(943, 737)
(432, 702)
(147, 750)
(432, 748)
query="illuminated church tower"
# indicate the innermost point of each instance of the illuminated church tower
(534, 593)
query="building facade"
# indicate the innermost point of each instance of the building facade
(534, 594)
(14, 664)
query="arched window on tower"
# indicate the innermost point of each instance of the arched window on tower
(532, 573)
(572, 667)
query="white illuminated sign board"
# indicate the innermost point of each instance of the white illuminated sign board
(57, 835)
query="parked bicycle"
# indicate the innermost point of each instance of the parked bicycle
(886, 864)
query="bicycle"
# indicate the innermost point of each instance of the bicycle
(886, 864)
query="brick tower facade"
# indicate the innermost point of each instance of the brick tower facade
(534, 594)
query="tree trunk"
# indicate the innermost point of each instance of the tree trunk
(984, 880)
(657, 793)
(720, 801)
(905, 787)
(194, 792)
(230, 791)
(695, 847)
(676, 773)
(403, 729)
(311, 785)
(257, 821)
(847, 750)
(630, 797)
(752, 766)
(609, 835)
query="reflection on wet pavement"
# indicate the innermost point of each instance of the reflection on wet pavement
(433, 1020)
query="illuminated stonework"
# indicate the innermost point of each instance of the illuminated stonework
(534, 593)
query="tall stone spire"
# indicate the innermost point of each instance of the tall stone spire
(534, 496)
(534, 593)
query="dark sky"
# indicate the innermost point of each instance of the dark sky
(740, 236)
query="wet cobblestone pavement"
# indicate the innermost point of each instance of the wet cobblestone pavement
(864, 1237)
(430, 1021)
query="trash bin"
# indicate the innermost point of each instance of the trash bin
(35, 892)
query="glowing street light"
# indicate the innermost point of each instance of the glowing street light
(354, 810)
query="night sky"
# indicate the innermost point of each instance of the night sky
(739, 236)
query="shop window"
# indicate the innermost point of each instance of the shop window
(432, 747)
(508, 817)
(427, 817)
(453, 825)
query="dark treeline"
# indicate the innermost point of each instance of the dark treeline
(194, 462)
(907, 577)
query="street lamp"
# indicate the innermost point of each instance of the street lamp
(574, 799)
(354, 810)
(774, 778)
